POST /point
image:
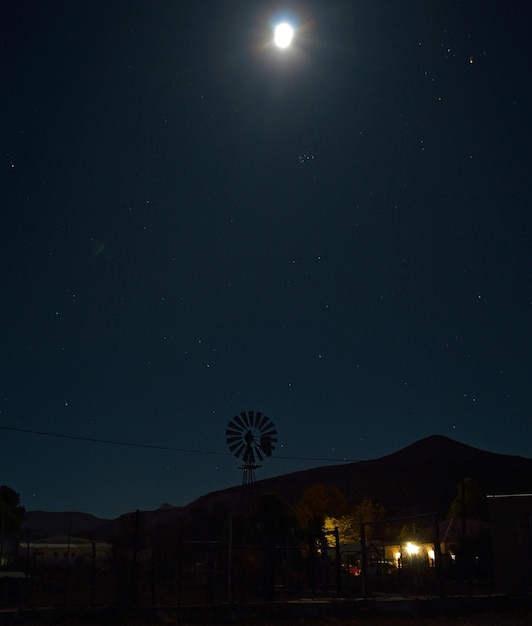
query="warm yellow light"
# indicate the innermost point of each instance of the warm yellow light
(411, 548)
(431, 554)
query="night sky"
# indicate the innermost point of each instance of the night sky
(196, 223)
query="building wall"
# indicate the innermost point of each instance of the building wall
(511, 531)
(57, 552)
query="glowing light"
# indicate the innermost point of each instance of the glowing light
(283, 35)
(411, 548)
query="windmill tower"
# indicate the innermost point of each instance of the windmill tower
(251, 437)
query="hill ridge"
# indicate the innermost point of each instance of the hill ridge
(421, 476)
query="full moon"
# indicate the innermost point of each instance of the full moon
(283, 35)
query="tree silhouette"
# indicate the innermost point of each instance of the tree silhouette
(275, 517)
(11, 511)
(317, 503)
(470, 501)
(349, 525)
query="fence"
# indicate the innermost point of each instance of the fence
(405, 556)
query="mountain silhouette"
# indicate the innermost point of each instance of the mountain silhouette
(421, 478)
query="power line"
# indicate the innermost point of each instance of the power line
(113, 442)
(131, 444)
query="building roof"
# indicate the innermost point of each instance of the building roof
(451, 530)
(62, 541)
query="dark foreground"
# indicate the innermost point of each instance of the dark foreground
(479, 610)
(518, 618)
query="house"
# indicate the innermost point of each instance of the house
(64, 550)
(453, 535)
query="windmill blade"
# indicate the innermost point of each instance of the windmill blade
(233, 429)
(268, 427)
(273, 440)
(258, 453)
(239, 421)
(266, 444)
(238, 450)
(232, 432)
(232, 442)
(271, 432)
(245, 415)
(258, 418)
(251, 437)
(236, 443)
(232, 423)
(265, 420)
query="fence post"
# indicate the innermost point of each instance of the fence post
(437, 553)
(364, 559)
(67, 572)
(134, 560)
(338, 562)
(93, 574)
(211, 572)
(230, 562)
(27, 579)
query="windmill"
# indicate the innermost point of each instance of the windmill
(251, 437)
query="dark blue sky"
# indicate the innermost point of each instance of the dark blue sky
(195, 224)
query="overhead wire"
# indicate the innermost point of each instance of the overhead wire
(131, 444)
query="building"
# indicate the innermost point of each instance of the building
(65, 550)
(511, 533)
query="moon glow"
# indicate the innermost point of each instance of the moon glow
(283, 35)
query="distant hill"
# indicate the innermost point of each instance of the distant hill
(50, 523)
(420, 478)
